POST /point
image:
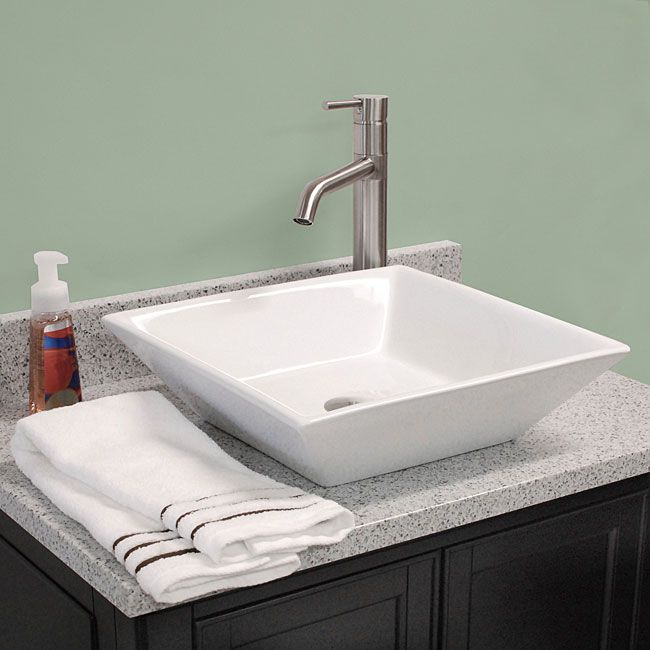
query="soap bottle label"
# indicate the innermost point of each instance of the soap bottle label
(60, 368)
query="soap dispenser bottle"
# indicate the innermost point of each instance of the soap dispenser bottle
(53, 368)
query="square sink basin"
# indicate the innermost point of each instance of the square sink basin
(348, 376)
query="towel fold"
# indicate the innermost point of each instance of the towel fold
(182, 516)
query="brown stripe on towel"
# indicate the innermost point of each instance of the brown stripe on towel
(142, 532)
(221, 494)
(261, 489)
(163, 556)
(139, 546)
(236, 503)
(245, 514)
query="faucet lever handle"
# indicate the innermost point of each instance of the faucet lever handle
(341, 103)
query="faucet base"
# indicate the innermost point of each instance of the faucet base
(369, 209)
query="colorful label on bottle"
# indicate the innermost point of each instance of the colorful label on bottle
(60, 367)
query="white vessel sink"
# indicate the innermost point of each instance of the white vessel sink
(349, 376)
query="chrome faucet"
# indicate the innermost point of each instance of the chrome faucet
(367, 172)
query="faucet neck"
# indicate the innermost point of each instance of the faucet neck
(370, 193)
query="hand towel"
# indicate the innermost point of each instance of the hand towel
(137, 453)
(165, 565)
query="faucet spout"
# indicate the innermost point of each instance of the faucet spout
(313, 191)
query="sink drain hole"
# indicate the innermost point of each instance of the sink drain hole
(340, 402)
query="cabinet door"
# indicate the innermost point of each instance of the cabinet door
(565, 582)
(34, 612)
(363, 611)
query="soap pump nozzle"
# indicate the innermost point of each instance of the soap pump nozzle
(49, 294)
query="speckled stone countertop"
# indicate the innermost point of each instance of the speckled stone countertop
(599, 436)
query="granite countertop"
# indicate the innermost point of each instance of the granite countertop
(599, 436)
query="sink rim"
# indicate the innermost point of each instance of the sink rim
(123, 322)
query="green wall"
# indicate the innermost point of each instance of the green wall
(162, 142)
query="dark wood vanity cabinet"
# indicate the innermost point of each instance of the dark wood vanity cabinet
(368, 611)
(34, 611)
(568, 573)
(564, 582)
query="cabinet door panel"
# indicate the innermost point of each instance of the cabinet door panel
(565, 582)
(34, 612)
(360, 612)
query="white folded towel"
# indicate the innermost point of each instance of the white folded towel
(165, 565)
(154, 489)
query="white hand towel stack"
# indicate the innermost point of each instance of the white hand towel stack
(182, 516)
